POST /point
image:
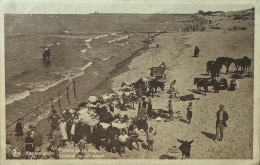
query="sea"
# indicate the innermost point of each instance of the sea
(76, 43)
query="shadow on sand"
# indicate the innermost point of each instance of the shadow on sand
(197, 92)
(184, 121)
(209, 135)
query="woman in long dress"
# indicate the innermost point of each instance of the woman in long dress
(63, 132)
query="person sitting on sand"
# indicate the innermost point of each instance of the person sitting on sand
(150, 138)
(189, 112)
(233, 84)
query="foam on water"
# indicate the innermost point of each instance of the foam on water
(45, 85)
(15, 97)
(83, 50)
(118, 39)
(101, 36)
(87, 45)
(88, 40)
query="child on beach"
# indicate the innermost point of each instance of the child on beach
(150, 138)
(189, 112)
(82, 145)
(170, 109)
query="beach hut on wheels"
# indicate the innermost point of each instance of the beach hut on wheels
(157, 72)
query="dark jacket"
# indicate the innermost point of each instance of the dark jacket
(19, 129)
(225, 118)
(37, 138)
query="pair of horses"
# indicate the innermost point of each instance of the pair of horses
(148, 86)
(213, 67)
(206, 82)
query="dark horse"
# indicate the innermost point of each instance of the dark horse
(46, 54)
(238, 63)
(246, 64)
(154, 84)
(203, 82)
(185, 148)
(227, 61)
(213, 68)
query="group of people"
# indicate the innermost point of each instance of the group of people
(64, 129)
(29, 144)
(134, 136)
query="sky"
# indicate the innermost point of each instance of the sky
(123, 6)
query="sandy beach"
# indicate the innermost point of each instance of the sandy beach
(176, 50)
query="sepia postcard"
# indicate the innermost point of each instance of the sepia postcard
(129, 82)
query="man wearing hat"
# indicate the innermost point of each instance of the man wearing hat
(222, 117)
(196, 51)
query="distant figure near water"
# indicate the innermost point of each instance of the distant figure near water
(46, 54)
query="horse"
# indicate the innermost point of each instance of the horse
(227, 61)
(154, 84)
(141, 86)
(238, 63)
(213, 67)
(202, 82)
(246, 64)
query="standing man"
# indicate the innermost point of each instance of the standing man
(53, 119)
(37, 140)
(222, 117)
(196, 51)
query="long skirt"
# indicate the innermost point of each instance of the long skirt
(63, 131)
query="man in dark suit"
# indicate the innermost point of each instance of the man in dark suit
(196, 51)
(222, 117)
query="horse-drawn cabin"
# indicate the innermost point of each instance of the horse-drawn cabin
(157, 72)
